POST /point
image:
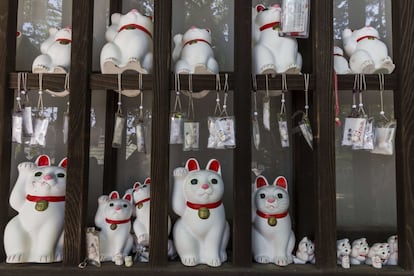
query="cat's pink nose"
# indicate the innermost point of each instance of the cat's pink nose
(117, 207)
(205, 186)
(271, 199)
(47, 177)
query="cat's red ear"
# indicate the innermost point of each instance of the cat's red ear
(136, 186)
(114, 195)
(192, 165)
(128, 197)
(214, 165)
(261, 181)
(260, 8)
(147, 181)
(281, 182)
(43, 160)
(64, 163)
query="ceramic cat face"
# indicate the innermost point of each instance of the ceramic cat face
(271, 199)
(47, 180)
(141, 191)
(203, 186)
(118, 208)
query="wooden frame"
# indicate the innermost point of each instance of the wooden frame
(318, 218)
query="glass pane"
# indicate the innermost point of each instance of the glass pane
(216, 15)
(35, 18)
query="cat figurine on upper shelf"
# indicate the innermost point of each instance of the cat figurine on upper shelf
(341, 64)
(141, 224)
(55, 52)
(193, 52)
(272, 237)
(272, 53)
(113, 217)
(201, 233)
(35, 234)
(367, 53)
(130, 45)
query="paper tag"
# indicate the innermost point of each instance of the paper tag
(266, 113)
(40, 131)
(384, 139)
(92, 246)
(306, 130)
(256, 133)
(284, 134)
(191, 136)
(118, 130)
(295, 18)
(177, 129)
(140, 133)
(27, 122)
(17, 127)
(65, 129)
(354, 129)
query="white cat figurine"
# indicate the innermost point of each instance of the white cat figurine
(367, 53)
(35, 234)
(113, 217)
(130, 45)
(341, 65)
(343, 250)
(55, 52)
(378, 255)
(201, 233)
(272, 53)
(193, 52)
(359, 251)
(272, 236)
(393, 242)
(305, 252)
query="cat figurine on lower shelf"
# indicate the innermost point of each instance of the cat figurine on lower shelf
(272, 237)
(113, 217)
(35, 234)
(201, 233)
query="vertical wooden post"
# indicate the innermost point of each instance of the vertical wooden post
(324, 147)
(242, 254)
(79, 132)
(160, 133)
(8, 23)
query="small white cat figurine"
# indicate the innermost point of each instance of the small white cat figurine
(343, 250)
(378, 255)
(35, 234)
(359, 251)
(393, 242)
(305, 252)
(113, 217)
(201, 233)
(273, 238)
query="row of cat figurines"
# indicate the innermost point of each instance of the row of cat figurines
(130, 47)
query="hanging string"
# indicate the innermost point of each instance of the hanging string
(119, 110)
(141, 104)
(177, 102)
(362, 87)
(226, 93)
(382, 88)
(306, 79)
(283, 100)
(217, 109)
(40, 106)
(254, 96)
(18, 98)
(267, 86)
(337, 120)
(191, 114)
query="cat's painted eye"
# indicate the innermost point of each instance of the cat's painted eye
(280, 195)
(214, 181)
(125, 205)
(111, 204)
(38, 173)
(60, 175)
(194, 181)
(262, 195)
(144, 186)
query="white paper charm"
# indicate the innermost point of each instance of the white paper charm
(177, 128)
(17, 122)
(140, 133)
(384, 139)
(118, 130)
(191, 136)
(284, 133)
(354, 130)
(40, 131)
(27, 122)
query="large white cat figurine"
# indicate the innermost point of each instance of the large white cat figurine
(35, 234)
(272, 237)
(113, 217)
(201, 233)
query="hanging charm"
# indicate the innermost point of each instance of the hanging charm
(119, 119)
(266, 107)
(177, 116)
(255, 120)
(27, 109)
(41, 121)
(140, 127)
(282, 122)
(17, 117)
(304, 124)
(191, 127)
(65, 129)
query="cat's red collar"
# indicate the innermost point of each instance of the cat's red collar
(366, 36)
(272, 25)
(33, 198)
(209, 205)
(195, 41)
(142, 201)
(278, 216)
(110, 221)
(135, 26)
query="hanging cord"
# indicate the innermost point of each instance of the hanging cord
(306, 79)
(18, 97)
(362, 87)
(177, 102)
(337, 120)
(191, 114)
(354, 111)
(283, 100)
(217, 109)
(226, 94)
(254, 97)
(40, 106)
(141, 104)
(267, 86)
(381, 89)
(119, 110)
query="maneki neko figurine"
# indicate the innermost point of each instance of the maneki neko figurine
(272, 236)
(201, 233)
(35, 234)
(130, 45)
